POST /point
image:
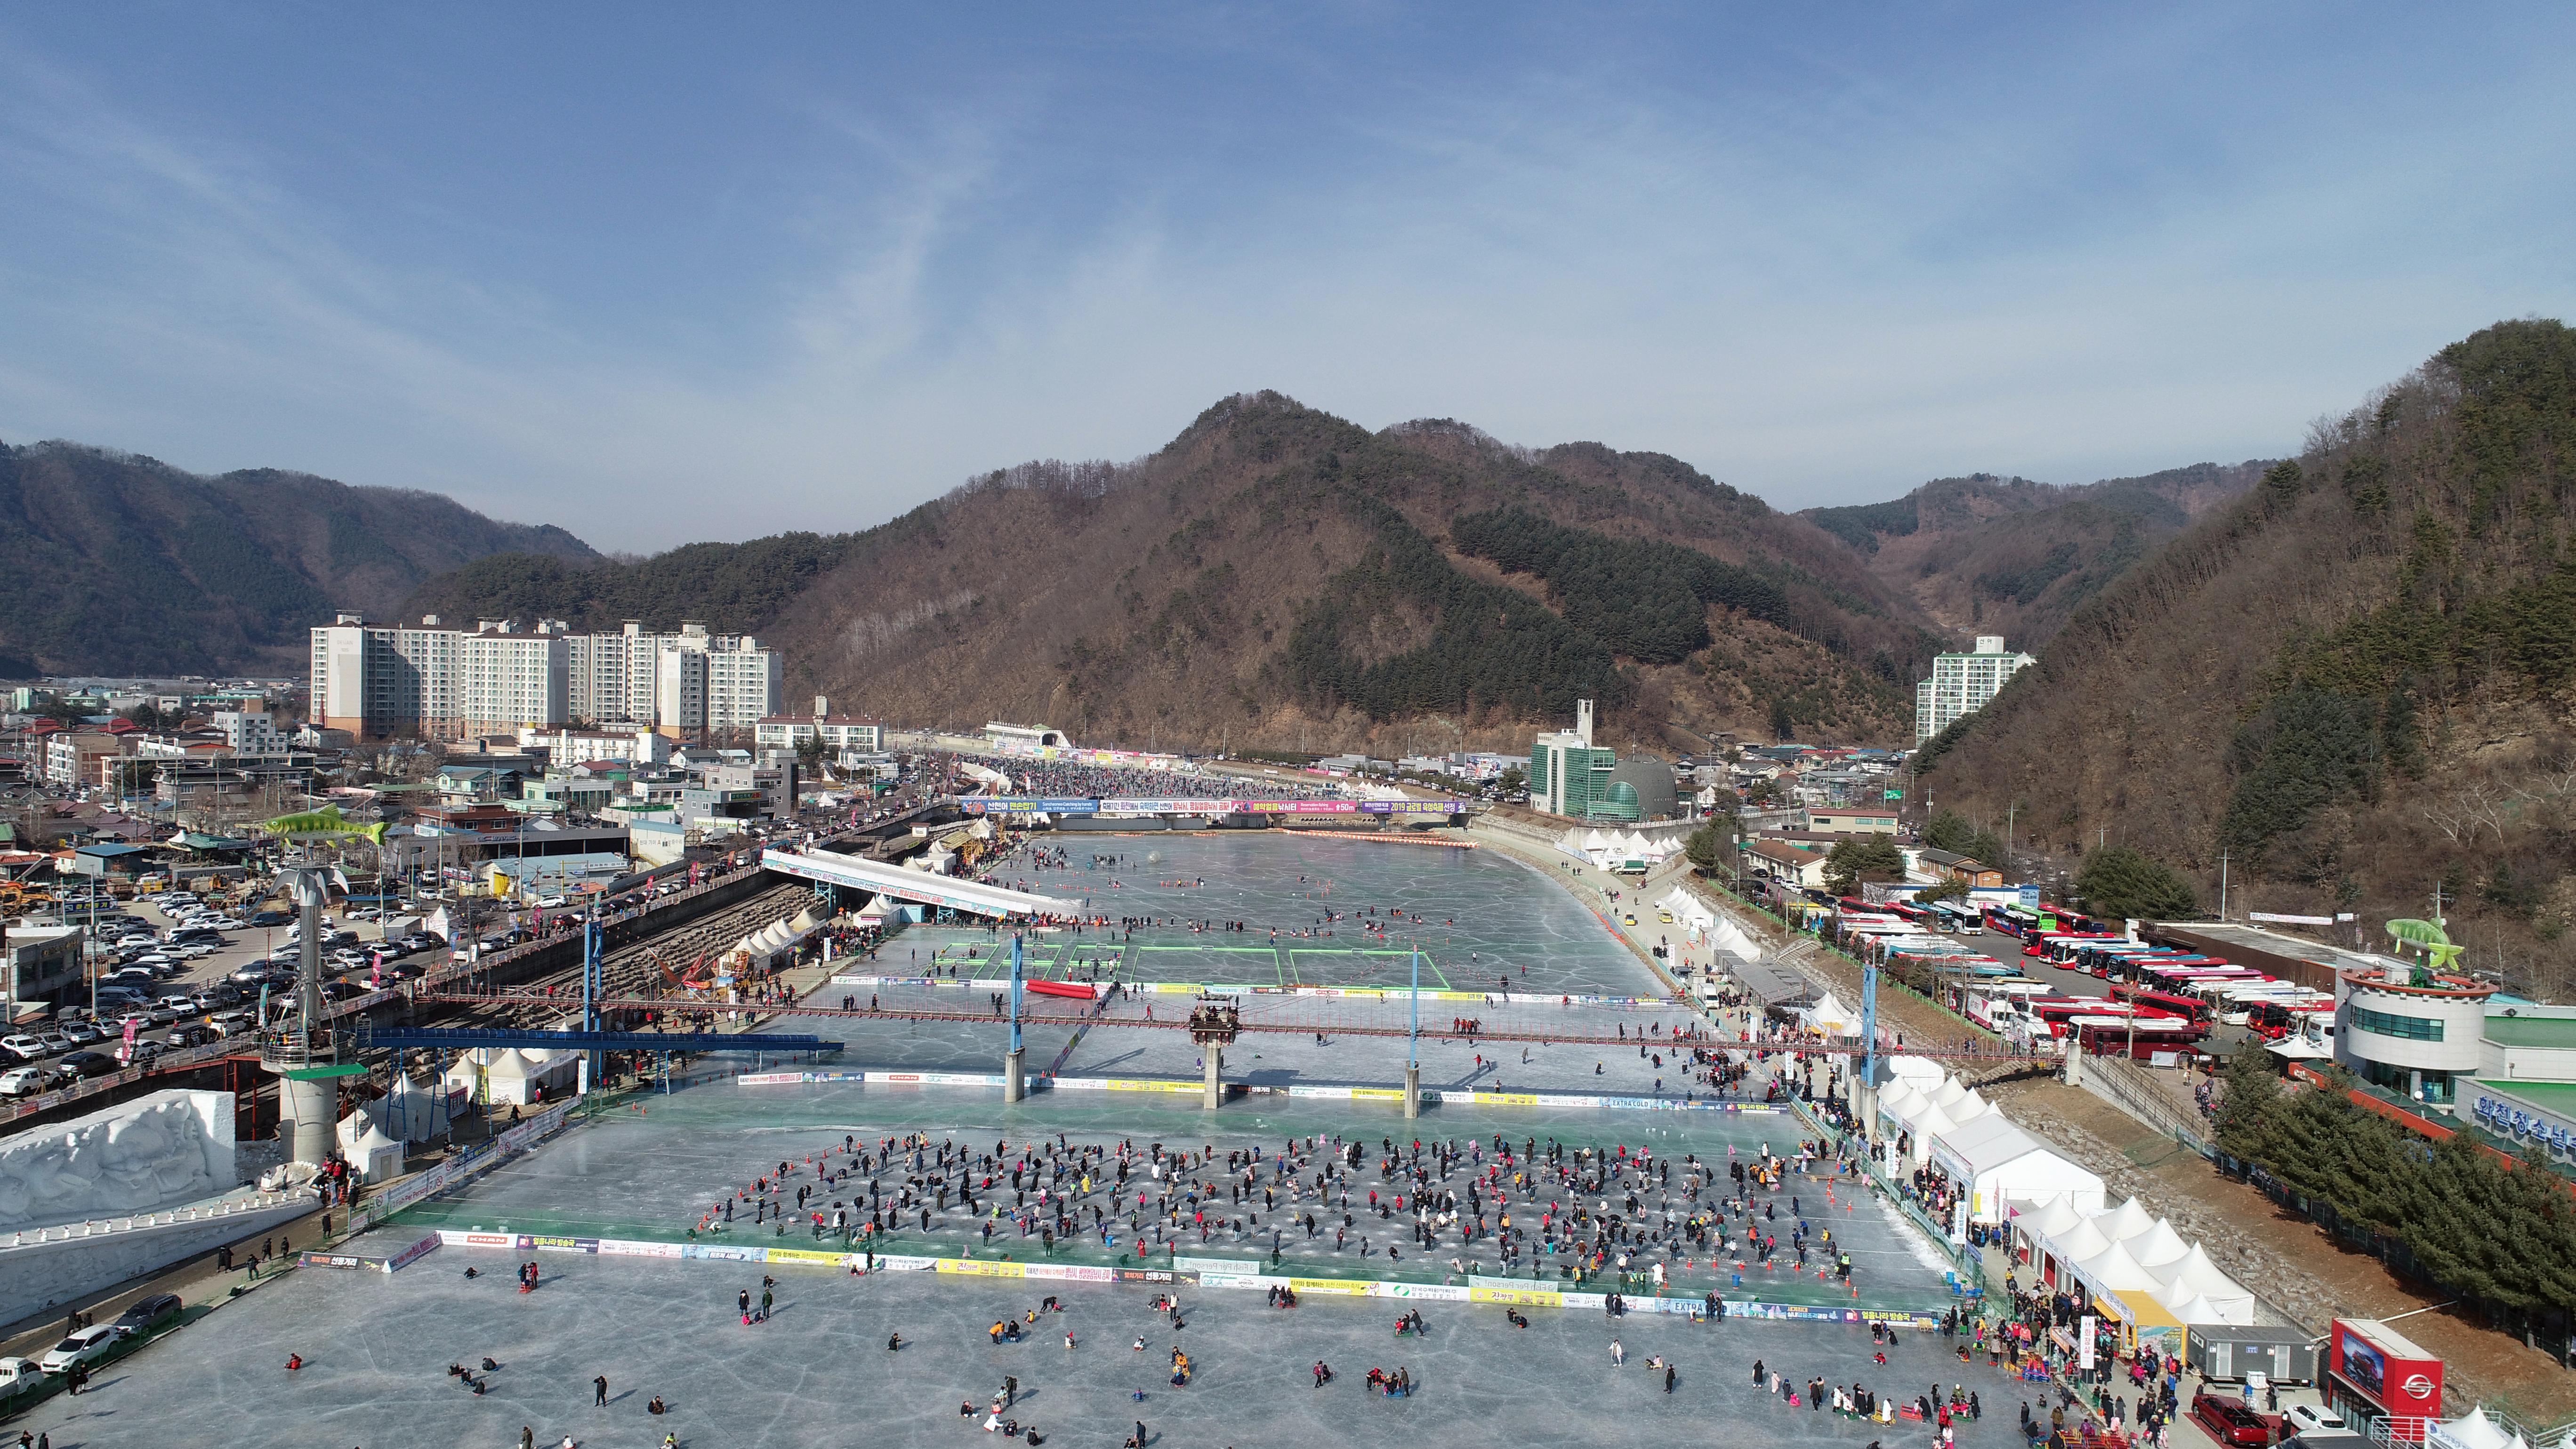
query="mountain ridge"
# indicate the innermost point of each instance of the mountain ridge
(123, 564)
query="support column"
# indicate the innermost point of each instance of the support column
(1412, 1092)
(312, 1104)
(1212, 1095)
(2074, 1062)
(1014, 1083)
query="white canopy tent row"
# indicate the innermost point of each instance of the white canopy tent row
(500, 1076)
(1949, 1125)
(778, 937)
(2128, 1261)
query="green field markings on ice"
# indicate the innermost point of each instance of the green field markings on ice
(1440, 979)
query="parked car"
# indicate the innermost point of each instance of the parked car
(81, 1032)
(159, 1310)
(17, 1375)
(233, 1023)
(54, 1041)
(90, 1064)
(144, 1050)
(22, 1082)
(27, 1046)
(191, 1034)
(2229, 1422)
(2311, 1419)
(83, 1346)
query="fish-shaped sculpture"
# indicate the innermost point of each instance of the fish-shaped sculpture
(317, 824)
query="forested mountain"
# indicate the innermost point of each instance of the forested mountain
(119, 564)
(1989, 555)
(2357, 683)
(1279, 577)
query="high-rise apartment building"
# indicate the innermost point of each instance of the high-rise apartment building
(378, 680)
(1962, 683)
(1568, 776)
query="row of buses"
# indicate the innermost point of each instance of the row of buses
(2162, 1000)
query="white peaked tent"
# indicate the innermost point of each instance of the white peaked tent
(377, 1157)
(2077, 1243)
(1928, 1126)
(2112, 1271)
(1952, 1089)
(413, 1112)
(1730, 938)
(2157, 1246)
(2473, 1430)
(2052, 1217)
(2190, 1307)
(1594, 842)
(1923, 1072)
(356, 1125)
(1830, 1016)
(2125, 1221)
(2195, 1272)
(1571, 842)
(2197, 1311)
(1897, 1100)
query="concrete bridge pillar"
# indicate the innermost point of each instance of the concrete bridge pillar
(1015, 1086)
(1212, 1095)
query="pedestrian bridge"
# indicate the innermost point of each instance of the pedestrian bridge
(915, 885)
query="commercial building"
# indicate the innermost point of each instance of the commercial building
(72, 756)
(39, 964)
(838, 732)
(378, 681)
(2409, 1031)
(1570, 776)
(1962, 683)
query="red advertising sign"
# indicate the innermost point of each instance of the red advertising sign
(2382, 1366)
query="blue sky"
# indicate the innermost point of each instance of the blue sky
(661, 274)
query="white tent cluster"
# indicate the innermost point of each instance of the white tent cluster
(1613, 848)
(1706, 927)
(2130, 1259)
(778, 936)
(514, 1075)
(1946, 1124)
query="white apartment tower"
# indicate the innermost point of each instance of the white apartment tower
(438, 683)
(1962, 683)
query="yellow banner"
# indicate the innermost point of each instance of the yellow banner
(1121, 1084)
(977, 1268)
(805, 1255)
(1525, 1297)
(1376, 1094)
(1344, 1287)
(1506, 1099)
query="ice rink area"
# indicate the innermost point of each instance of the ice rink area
(376, 1350)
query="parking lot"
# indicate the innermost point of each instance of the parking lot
(186, 969)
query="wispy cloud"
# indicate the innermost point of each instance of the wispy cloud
(1820, 266)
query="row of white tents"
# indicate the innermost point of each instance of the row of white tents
(779, 936)
(2124, 1258)
(1705, 927)
(2127, 1259)
(1610, 849)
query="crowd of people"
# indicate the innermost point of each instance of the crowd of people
(1065, 780)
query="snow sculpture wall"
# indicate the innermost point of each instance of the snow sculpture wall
(154, 1152)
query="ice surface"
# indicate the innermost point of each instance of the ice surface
(376, 1349)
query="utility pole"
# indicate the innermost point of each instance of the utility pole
(1413, 1045)
(2222, 885)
